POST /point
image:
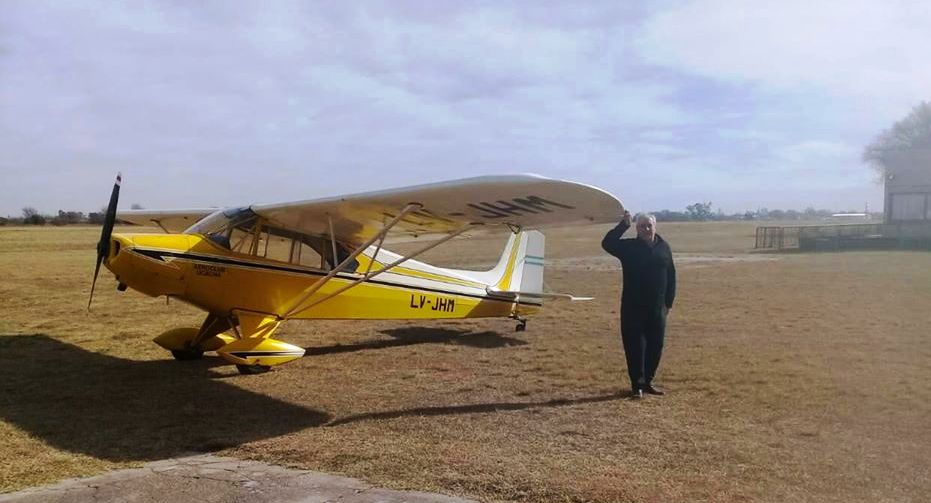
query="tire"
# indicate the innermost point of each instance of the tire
(185, 355)
(253, 369)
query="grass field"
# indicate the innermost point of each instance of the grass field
(791, 377)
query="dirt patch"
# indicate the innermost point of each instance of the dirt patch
(207, 478)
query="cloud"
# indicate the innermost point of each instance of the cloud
(194, 101)
(857, 49)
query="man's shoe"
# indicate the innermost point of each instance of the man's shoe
(636, 394)
(653, 391)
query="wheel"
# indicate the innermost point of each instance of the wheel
(253, 369)
(185, 355)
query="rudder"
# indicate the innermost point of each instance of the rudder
(520, 268)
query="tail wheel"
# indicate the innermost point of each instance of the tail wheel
(187, 354)
(521, 324)
(253, 369)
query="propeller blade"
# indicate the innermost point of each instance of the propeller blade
(103, 246)
(94, 283)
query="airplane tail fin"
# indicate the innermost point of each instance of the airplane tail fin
(519, 272)
(520, 268)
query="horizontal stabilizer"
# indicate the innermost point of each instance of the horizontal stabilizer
(534, 295)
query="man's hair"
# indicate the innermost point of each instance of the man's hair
(642, 217)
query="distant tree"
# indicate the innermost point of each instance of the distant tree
(136, 206)
(909, 134)
(3, 221)
(31, 216)
(97, 217)
(68, 217)
(699, 211)
(777, 215)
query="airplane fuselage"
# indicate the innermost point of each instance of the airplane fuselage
(218, 280)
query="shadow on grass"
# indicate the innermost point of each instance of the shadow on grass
(408, 336)
(119, 410)
(479, 408)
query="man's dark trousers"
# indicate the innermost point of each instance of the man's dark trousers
(643, 329)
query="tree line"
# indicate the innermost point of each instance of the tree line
(697, 212)
(32, 216)
(702, 212)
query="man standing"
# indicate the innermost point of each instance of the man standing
(648, 293)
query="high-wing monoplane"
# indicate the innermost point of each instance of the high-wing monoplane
(253, 267)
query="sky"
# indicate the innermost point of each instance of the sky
(664, 103)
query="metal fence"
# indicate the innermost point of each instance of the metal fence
(776, 238)
(779, 238)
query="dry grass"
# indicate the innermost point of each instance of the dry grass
(793, 378)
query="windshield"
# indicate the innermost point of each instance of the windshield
(222, 221)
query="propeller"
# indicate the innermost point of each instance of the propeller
(103, 246)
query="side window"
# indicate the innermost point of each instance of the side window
(308, 257)
(275, 247)
(290, 247)
(241, 240)
(342, 253)
(285, 246)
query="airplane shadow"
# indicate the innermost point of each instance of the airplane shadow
(408, 336)
(475, 408)
(117, 409)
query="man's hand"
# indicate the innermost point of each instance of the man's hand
(625, 219)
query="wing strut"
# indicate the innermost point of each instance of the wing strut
(329, 220)
(162, 227)
(381, 241)
(369, 275)
(322, 281)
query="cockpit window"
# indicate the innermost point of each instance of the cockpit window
(242, 231)
(222, 221)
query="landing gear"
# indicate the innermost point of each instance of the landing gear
(248, 346)
(187, 354)
(253, 369)
(521, 325)
(188, 343)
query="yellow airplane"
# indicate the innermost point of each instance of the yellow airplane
(253, 267)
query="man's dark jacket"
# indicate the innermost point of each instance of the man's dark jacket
(649, 273)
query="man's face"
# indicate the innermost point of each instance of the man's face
(646, 230)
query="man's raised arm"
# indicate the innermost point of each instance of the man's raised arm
(612, 241)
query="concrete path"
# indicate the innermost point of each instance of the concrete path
(206, 478)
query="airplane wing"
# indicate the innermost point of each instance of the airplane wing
(168, 220)
(493, 202)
